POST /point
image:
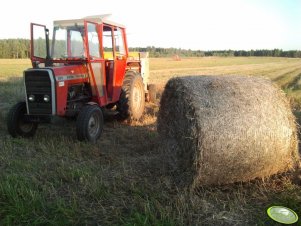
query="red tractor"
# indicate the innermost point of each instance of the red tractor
(85, 70)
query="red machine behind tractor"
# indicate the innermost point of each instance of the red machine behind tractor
(84, 70)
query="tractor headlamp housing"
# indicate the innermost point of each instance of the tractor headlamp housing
(46, 98)
(31, 98)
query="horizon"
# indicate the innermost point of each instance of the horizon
(210, 50)
(204, 25)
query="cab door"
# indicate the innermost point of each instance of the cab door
(95, 62)
(39, 44)
(120, 59)
(115, 55)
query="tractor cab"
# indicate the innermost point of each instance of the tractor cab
(78, 39)
(98, 44)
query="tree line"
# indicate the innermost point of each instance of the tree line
(169, 52)
(20, 48)
(14, 48)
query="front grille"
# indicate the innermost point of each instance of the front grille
(38, 83)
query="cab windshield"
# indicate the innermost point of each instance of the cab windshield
(68, 42)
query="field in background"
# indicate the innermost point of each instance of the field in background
(282, 70)
(54, 179)
(285, 72)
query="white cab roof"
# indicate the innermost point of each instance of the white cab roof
(96, 19)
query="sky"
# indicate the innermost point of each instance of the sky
(186, 24)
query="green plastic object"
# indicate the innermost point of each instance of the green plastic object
(282, 214)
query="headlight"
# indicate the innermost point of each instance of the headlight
(46, 98)
(31, 98)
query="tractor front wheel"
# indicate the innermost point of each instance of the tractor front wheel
(18, 123)
(89, 123)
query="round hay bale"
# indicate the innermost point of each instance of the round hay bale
(224, 129)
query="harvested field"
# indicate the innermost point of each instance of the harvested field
(53, 179)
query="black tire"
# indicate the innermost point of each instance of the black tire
(89, 123)
(132, 97)
(18, 124)
(152, 93)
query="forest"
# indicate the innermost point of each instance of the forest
(20, 48)
(168, 52)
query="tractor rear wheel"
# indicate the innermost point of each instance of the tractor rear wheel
(89, 123)
(132, 97)
(18, 123)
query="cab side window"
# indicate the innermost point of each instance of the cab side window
(119, 42)
(93, 41)
(107, 40)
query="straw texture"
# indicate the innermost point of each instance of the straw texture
(224, 129)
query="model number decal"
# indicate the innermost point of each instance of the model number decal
(69, 77)
(62, 83)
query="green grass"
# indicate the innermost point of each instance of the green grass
(53, 179)
(24, 201)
